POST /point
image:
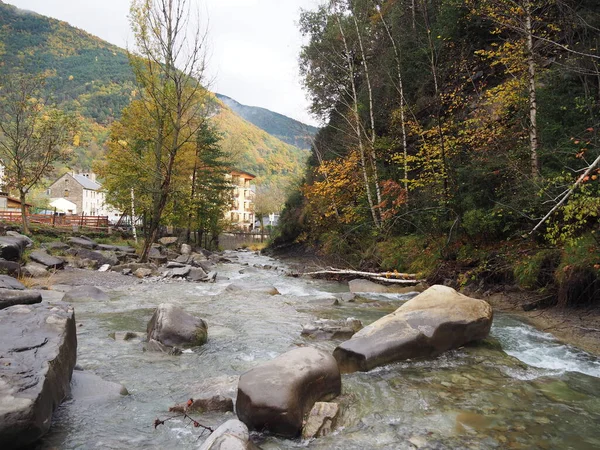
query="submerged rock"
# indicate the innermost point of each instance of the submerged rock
(276, 395)
(204, 404)
(171, 326)
(38, 350)
(89, 388)
(86, 293)
(332, 329)
(256, 288)
(433, 322)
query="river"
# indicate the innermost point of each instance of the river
(522, 390)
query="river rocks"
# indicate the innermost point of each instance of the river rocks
(171, 326)
(11, 297)
(232, 435)
(433, 322)
(43, 258)
(89, 388)
(197, 274)
(12, 268)
(82, 242)
(255, 288)
(360, 285)
(38, 351)
(56, 246)
(143, 272)
(321, 420)
(27, 242)
(168, 240)
(332, 329)
(35, 270)
(186, 249)
(276, 395)
(7, 282)
(205, 404)
(181, 272)
(86, 293)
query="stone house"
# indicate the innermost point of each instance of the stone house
(83, 190)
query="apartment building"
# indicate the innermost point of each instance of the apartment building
(241, 214)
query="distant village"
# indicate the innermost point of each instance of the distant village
(81, 195)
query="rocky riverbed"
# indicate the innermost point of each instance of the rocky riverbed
(521, 389)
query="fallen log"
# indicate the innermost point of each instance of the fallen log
(384, 277)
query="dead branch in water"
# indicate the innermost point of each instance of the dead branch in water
(185, 416)
(385, 277)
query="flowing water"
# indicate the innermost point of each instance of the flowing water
(521, 389)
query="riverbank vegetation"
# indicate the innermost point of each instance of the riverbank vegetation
(452, 130)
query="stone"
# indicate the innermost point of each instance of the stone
(277, 394)
(172, 326)
(12, 268)
(433, 322)
(174, 265)
(11, 297)
(211, 277)
(143, 273)
(35, 270)
(104, 268)
(82, 242)
(28, 242)
(89, 388)
(11, 248)
(155, 256)
(255, 288)
(182, 259)
(232, 435)
(126, 271)
(181, 272)
(125, 336)
(197, 274)
(7, 282)
(86, 293)
(38, 350)
(348, 297)
(100, 257)
(168, 240)
(107, 248)
(332, 329)
(125, 249)
(360, 285)
(56, 245)
(321, 420)
(185, 249)
(43, 258)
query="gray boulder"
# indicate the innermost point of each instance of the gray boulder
(181, 272)
(11, 297)
(38, 350)
(56, 245)
(28, 242)
(212, 394)
(197, 274)
(182, 259)
(232, 435)
(433, 322)
(82, 242)
(86, 293)
(172, 326)
(186, 249)
(276, 395)
(168, 240)
(43, 258)
(99, 257)
(155, 256)
(10, 267)
(7, 282)
(125, 249)
(11, 248)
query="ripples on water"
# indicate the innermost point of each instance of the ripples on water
(522, 389)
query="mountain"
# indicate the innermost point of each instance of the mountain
(92, 78)
(286, 129)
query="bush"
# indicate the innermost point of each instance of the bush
(413, 253)
(537, 271)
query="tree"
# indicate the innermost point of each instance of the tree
(33, 136)
(169, 68)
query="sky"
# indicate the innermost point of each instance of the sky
(253, 44)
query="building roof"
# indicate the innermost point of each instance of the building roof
(13, 199)
(241, 173)
(63, 205)
(87, 183)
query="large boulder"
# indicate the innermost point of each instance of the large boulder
(232, 435)
(171, 326)
(12, 268)
(276, 395)
(12, 297)
(7, 282)
(433, 322)
(43, 258)
(27, 241)
(38, 351)
(11, 248)
(89, 388)
(100, 257)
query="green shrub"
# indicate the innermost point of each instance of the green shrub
(537, 271)
(413, 253)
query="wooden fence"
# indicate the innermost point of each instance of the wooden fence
(57, 220)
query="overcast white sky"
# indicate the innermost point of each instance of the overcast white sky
(254, 44)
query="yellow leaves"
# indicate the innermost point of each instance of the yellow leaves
(76, 140)
(71, 77)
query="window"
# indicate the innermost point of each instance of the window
(66, 193)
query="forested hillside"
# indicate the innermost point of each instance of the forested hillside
(454, 127)
(93, 79)
(284, 128)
